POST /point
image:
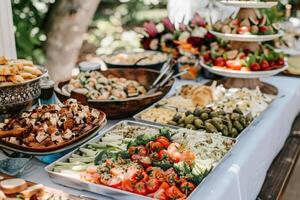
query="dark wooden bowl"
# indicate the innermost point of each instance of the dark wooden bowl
(116, 109)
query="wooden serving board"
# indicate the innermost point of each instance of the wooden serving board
(50, 193)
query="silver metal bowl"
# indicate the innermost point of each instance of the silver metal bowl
(18, 97)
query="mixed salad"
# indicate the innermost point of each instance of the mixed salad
(157, 163)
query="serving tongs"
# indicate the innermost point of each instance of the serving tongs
(20, 132)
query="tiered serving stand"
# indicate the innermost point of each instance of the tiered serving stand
(249, 79)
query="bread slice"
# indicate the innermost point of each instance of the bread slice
(37, 190)
(13, 186)
(2, 196)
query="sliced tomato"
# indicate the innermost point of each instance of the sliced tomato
(114, 182)
(188, 156)
(145, 161)
(187, 187)
(152, 185)
(115, 171)
(140, 188)
(174, 193)
(159, 174)
(164, 141)
(127, 185)
(171, 176)
(164, 185)
(163, 155)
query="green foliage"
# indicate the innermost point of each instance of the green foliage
(28, 16)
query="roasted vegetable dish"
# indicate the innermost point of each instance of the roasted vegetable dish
(158, 163)
(51, 125)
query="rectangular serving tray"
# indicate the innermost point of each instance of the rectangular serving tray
(255, 121)
(71, 181)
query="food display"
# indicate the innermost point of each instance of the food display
(138, 58)
(17, 71)
(255, 25)
(226, 111)
(264, 59)
(157, 163)
(96, 86)
(51, 126)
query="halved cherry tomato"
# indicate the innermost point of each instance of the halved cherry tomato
(116, 171)
(219, 61)
(159, 194)
(159, 174)
(163, 154)
(127, 185)
(164, 141)
(114, 182)
(175, 157)
(188, 156)
(152, 185)
(145, 161)
(174, 193)
(187, 187)
(140, 188)
(164, 185)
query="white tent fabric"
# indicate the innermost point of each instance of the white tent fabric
(7, 37)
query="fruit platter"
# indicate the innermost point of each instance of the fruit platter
(222, 59)
(214, 109)
(51, 128)
(119, 92)
(138, 161)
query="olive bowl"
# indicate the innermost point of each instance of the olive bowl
(117, 109)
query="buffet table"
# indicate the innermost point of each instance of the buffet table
(242, 174)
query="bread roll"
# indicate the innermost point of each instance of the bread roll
(3, 60)
(6, 70)
(16, 79)
(27, 75)
(13, 186)
(32, 70)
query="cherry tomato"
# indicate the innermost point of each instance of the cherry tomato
(157, 146)
(152, 185)
(174, 193)
(280, 62)
(207, 56)
(219, 61)
(145, 161)
(265, 65)
(272, 64)
(175, 157)
(164, 185)
(140, 188)
(164, 141)
(188, 156)
(127, 185)
(160, 195)
(243, 30)
(187, 187)
(116, 171)
(114, 182)
(263, 29)
(159, 174)
(255, 67)
(163, 154)
(91, 169)
(234, 64)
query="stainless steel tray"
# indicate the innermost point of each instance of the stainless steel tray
(256, 120)
(76, 183)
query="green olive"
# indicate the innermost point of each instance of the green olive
(197, 112)
(187, 113)
(234, 132)
(214, 114)
(234, 116)
(249, 118)
(189, 119)
(210, 128)
(225, 131)
(181, 121)
(238, 126)
(198, 123)
(237, 110)
(190, 126)
(217, 122)
(243, 121)
(204, 116)
(221, 112)
(177, 117)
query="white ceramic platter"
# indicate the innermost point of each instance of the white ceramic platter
(243, 74)
(246, 38)
(249, 4)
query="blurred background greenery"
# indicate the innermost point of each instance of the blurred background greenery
(115, 25)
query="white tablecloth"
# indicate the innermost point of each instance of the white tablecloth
(241, 175)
